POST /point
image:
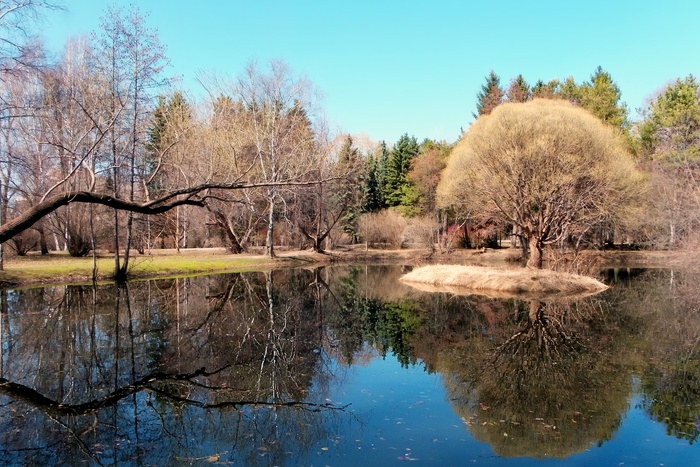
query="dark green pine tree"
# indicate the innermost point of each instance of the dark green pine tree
(348, 152)
(372, 193)
(170, 116)
(491, 95)
(382, 164)
(602, 97)
(157, 129)
(398, 166)
(348, 195)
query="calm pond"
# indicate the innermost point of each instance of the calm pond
(347, 366)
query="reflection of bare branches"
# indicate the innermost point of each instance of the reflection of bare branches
(76, 437)
(150, 383)
(544, 335)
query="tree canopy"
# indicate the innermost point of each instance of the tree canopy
(548, 167)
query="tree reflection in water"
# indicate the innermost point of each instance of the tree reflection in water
(670, 305)
(240, 368)
(544, 379)
(154, 370)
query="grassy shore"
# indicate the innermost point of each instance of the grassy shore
(59, 267)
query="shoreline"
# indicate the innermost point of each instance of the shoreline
(60, 268)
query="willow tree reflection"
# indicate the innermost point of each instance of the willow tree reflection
(538, 378)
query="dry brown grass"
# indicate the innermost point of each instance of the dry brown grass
(500, 282)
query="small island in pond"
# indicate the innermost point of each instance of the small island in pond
(501, 282)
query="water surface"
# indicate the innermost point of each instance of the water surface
(347, 366)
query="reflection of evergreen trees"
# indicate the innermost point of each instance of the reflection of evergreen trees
(356, 319)
(672, 397)
(669, 303)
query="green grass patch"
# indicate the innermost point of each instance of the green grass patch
(59, 267)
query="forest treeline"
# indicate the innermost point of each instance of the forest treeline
(99, 150)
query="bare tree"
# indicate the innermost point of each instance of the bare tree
(279, 107)
(19, 49)
(273, 153)
(130, 60)
(20, 55)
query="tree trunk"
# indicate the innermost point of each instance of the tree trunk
(270, 251)
(534, 312)
(127, 246)
(234, 245)
(42, 239)
(534, 261)
(116, 243)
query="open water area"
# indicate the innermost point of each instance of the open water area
(346, 366)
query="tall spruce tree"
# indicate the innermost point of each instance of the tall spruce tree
(601, 96)
(399, 164)
(382, 167)
(347, 193)
(491, 95)
(372, 193)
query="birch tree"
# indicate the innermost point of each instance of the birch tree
(130, 60)
(279, 107)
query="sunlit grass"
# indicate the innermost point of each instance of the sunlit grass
(60, 267)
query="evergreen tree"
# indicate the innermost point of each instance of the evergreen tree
(519, 90)
(382, 167)
(348, 195)
(168, 122)
(348, 153)
(156, 132)
(601, 96)
(491, 95)
(672, 127)
(399, 164)
(570, 91)
(372, 193)
(548, 90)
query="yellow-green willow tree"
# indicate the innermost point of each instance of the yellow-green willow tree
(548, 167)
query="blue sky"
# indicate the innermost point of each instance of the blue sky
(386, 68)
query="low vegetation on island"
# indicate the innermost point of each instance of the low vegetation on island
(501, 282)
